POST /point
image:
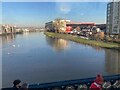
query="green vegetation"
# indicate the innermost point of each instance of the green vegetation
(77, 39)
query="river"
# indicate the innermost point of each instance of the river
(36, 58)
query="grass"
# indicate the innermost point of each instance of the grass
(77, 39)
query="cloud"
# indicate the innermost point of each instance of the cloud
(63, 8)
(82, 14)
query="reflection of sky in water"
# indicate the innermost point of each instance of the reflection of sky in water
(35, 58)
(21, 42)
(0, 62)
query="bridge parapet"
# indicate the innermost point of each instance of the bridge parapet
(110, 81)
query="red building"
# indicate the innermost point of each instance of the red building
(82, 25)
(68, 29)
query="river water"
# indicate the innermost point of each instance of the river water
(36, 58)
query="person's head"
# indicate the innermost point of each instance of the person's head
(99, 79)
(16, 83)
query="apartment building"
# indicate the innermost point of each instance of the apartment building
(58, 25)
(113, 17)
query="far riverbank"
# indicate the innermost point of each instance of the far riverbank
(108, 45)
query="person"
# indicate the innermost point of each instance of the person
(24, 86)
(16, 84)
(97, 84)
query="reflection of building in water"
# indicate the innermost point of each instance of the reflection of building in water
(97, 48)
(58, 44)
(8, 38)
(112, 61)
(26, 33)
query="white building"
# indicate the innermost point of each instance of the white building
(113, 17)
(6, 29)
(56, 25)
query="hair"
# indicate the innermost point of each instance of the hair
(99, 79)
(16, 82)
(98, 75)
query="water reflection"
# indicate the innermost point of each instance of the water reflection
(97, 48)
(26, 34)
(112, 61)
(0, 63)
(36, 58)
(8, 38)
(57, 44)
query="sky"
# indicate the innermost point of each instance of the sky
(35, 14)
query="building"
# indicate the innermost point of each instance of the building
(49, 26)
(82, 25)
(6, 29)
(58, 25)
(61, 25)
(102, 27)
(113, 17)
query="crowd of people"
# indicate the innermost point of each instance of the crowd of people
(97, 84)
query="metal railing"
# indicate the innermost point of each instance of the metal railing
(73, 83)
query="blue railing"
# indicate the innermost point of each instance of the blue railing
(74, 83)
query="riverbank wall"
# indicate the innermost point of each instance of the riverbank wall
(108, 45)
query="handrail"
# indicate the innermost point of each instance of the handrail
(65, 83)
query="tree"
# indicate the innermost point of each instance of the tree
(78, 28)
(101, 35)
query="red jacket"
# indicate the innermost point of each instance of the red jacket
(95, 86)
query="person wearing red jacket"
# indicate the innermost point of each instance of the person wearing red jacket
(97, 84)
